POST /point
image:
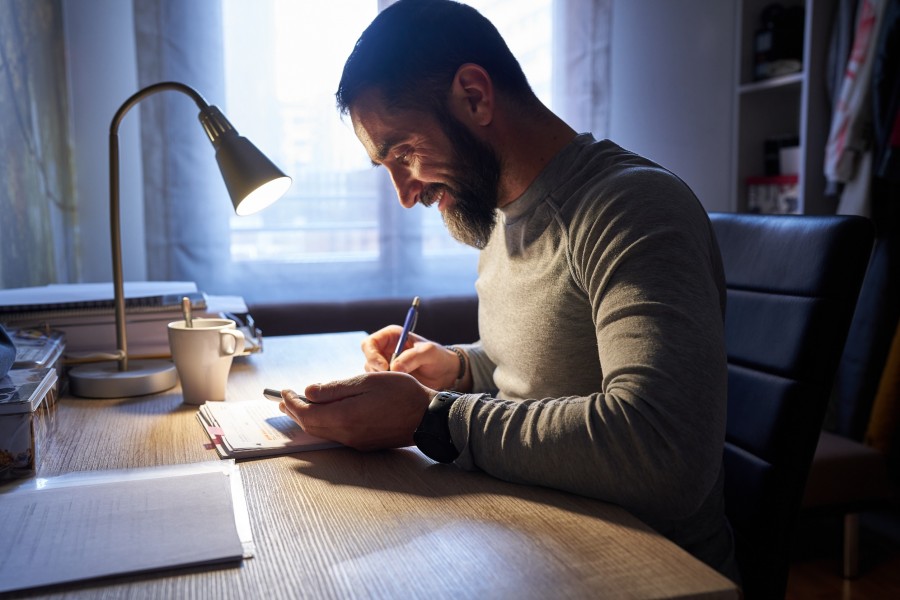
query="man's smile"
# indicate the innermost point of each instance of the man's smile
(433, 195)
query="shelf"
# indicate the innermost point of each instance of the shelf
(794, 104)
(782, 81)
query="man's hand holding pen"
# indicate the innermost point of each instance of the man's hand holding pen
(395, 348)
(432, 364)
(382, 407)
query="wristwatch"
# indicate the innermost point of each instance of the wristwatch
(432, 436)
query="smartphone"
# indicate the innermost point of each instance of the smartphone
(276, 395)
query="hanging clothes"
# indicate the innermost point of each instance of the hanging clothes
(849, 137)
(886, 96)
(867, 372)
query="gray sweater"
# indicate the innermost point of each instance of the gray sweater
(601, 302)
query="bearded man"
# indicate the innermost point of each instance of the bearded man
(600, 368)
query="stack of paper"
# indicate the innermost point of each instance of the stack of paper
(84, 313)
(80, 299)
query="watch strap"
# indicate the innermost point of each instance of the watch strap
(432, 436)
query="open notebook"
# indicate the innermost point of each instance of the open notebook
(254, 428)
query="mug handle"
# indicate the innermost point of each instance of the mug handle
(231, 341)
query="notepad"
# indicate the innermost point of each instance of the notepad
(109, 523)
(255, 428)
(85, 299)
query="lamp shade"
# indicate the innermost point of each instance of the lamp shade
(252, 180)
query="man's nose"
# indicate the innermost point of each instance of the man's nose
(408, 188)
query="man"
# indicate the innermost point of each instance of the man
(601, 365)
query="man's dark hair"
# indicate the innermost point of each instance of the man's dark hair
(412, 50)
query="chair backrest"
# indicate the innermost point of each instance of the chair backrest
(792, 285)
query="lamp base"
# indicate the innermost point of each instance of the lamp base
(105, 380)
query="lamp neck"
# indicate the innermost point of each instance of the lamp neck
(236, 156)
(114, 226)
(149, 91)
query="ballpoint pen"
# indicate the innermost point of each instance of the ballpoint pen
(408, 325)
(275, 395)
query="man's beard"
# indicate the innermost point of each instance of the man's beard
(471, 217)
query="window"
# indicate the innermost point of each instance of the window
(340, 232)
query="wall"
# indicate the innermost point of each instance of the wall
(37, 208)
(673, 89)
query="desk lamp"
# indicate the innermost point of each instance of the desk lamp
(253, 182)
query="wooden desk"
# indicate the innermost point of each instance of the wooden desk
(393, 524)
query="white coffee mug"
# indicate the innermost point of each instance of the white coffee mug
(203, 355)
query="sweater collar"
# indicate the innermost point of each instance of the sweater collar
(548, 179)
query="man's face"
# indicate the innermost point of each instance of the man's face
(433, 159)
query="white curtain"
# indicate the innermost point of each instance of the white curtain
(191, 231)
(186, 206)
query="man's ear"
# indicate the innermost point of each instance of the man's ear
(472, 95)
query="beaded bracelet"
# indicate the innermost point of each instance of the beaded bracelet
(462, 364)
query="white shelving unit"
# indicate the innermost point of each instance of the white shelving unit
(795, 104)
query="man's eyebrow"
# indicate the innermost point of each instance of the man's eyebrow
(383, 149)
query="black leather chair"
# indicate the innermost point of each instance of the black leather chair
(792, 285)
(850, 472)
